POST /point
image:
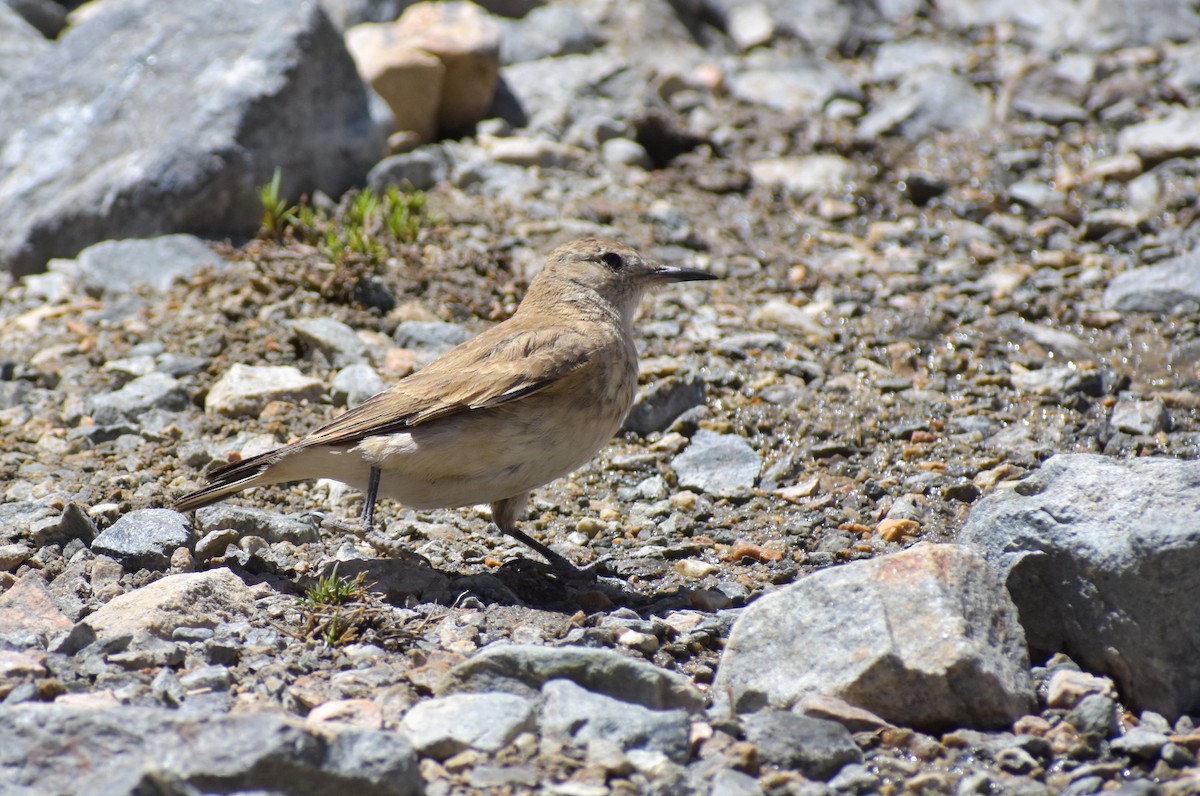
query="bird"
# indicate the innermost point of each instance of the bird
(522, 404)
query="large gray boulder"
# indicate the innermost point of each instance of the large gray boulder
(1102, 558)
(925, 638)
(148, 118)
(50, 748)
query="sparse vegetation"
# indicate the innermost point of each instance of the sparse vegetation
(339, 611)
(363, 224)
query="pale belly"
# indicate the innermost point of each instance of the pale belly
(480, 456)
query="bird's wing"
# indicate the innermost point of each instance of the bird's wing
(498, 366)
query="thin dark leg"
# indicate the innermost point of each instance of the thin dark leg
(557, 561)
(368, 512)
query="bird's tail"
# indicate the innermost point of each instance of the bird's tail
(230, 479)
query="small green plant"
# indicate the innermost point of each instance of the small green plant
(277, 215)
(363, 224)
(333, 590)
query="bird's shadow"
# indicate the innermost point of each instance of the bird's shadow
(408, 578)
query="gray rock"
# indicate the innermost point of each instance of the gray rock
(152, 391)
(1139, 417)
(246, 389)
(20, 43)
(1174, 136)
(925, 101)
(47, 748)
(546, 32)
(1055, 92)
(249, 521)
(625, 152)
(818, 748)
(72, 523)
(523, 669)
(17, 517)
(824, 24)
(354, 384)
(434, 336)
(445, 726)
(658, 405)
(422, 169)
(1096, 715)
(925, 638)
(13, 556)
(894, 59)
(144, 538)
(719, 464)
(340, 344)
(731, 782)
(117, 266)
(535, 93)
(574, 715)
(805, 175)
(1056, 381)
(794, 85)
(47, 16)
(119, 134)
(1055, 25)
(147, 617)
(1102, 558)
(1169, 288)
(1140, 742)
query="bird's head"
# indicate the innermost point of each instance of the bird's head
(597, 270)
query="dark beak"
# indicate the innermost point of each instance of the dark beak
(670, 273)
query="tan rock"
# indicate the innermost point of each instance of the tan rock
(193, 599)
(26, 610)
(467, 40)
(408, 78)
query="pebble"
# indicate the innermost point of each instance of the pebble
(816, 747)
(573, 715)
(445, 726)
(144, 538)
(339, 343)
(246, 389)
(718, 464)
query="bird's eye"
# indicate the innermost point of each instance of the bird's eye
(613, 260)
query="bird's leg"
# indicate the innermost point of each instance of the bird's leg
(505, 513)
(368, 512)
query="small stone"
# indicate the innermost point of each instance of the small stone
(803, 176)
(571, 714)
(246, 389)
(659, 404)
(1174, 136)
(694, 567)
(361, 713)
(625, 152)
(1068, 686)
(719, 464)
(750, 25)
(432, 336)
(1140, 743)
(13, 556)
(1171, 287)
(115, 267)
(446, 726)
(1095, 716)
(249, 521)
(1140, 417)
(896, 530)
(144, 538)
(816, 747)
(152, 391)
(336, 340)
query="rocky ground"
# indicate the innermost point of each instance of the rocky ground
(954, 240)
